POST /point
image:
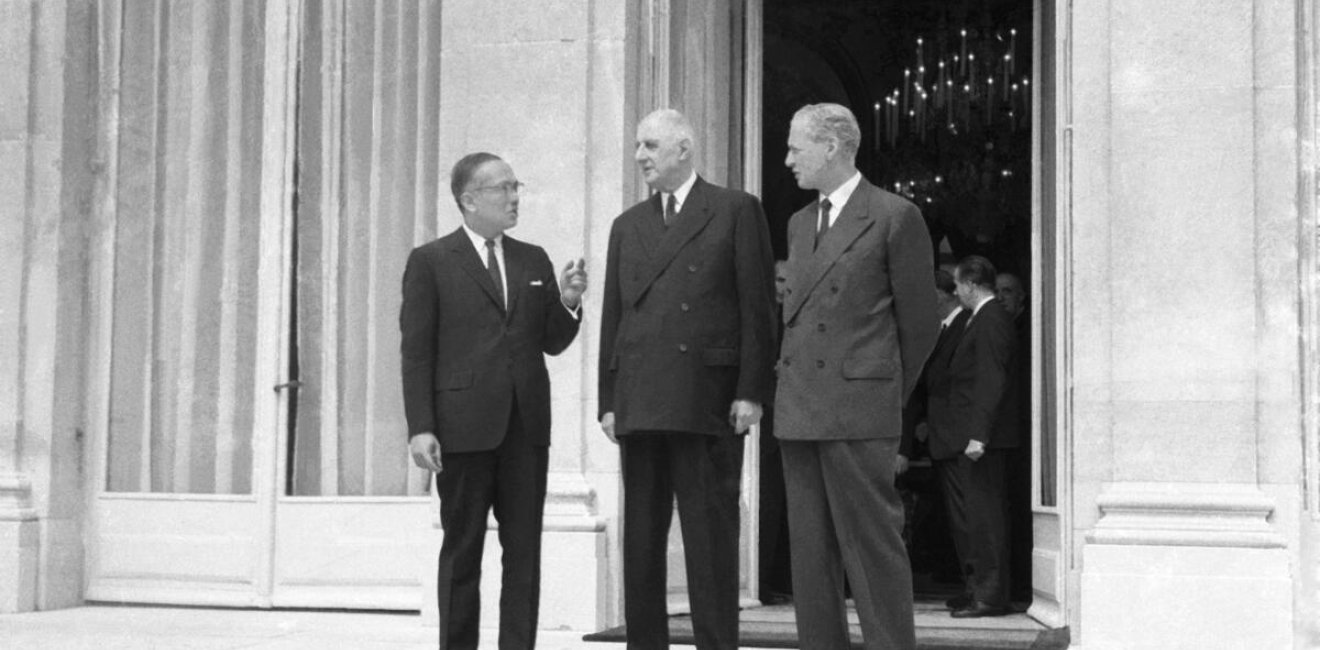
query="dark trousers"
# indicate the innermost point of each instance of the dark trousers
(511, 479)
(1020, 522)
(978, 519)
(703, 472)
(845, 517)
(775, 561)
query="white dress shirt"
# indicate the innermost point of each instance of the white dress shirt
(680, 194)
(479, 243)
(839, 197)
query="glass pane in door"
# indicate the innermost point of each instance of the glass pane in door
(367, 183)
(185, 248)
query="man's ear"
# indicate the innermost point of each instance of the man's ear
(831, 148)
(685, 149)
(466, 201)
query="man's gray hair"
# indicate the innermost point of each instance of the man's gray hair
(674, 123)
(824, 121)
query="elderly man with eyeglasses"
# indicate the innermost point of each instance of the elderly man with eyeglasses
(480, 312)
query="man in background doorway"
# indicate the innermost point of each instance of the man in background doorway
(480, 312)
(1009, 290)
(970, 438)
(860, 321)
(687, 349)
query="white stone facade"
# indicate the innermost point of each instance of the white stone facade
(1186, 249)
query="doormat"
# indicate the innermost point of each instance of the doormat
(771, 634)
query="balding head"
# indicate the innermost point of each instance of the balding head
(665, 146)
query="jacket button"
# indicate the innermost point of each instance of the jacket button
(692, 268)
(834, 289)
(682, 347)
(820, 364)
(685, 307)
(791, 323)
(820, 327)
(787, 362)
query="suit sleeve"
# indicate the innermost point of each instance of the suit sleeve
(610, 311)
(993, 354)
(418, 320)
(754, 263)
(912, 273)
(914, 411)
(560, 326)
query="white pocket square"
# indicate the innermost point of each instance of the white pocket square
(537, 283)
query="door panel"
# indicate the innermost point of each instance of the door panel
(353, 518)
(175, 515)
(210, 487)
(1051, 556)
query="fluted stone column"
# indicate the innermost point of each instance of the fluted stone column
(47, 117)
(1185, 322)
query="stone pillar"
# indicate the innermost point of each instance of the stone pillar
(47, 66)
(1184, 322)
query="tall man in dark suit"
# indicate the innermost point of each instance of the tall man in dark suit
(480, 311)
(860, 321)
(969, 438)
(686, 363)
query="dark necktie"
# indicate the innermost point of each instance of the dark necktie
(493, 266)
(824, 221)
(671, 210)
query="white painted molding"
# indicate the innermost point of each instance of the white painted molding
(570, 505)
(1185, 514)
(16, 498)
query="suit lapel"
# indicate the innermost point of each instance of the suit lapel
(692, 219)
(474, 266)
(651, 227)
(853, 220)
(513, 267)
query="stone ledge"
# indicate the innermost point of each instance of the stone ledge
(16, 498)
(1185, 514)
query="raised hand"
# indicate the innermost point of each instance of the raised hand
(573, 283)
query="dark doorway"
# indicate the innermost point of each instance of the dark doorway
(941, 90)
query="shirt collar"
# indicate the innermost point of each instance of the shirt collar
(680, 194)
(839, 197)
(479, 242)
(948, 320)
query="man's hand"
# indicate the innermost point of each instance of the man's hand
(573, 283)
(901, 467)
(425, 450)
(607, 425)
(743, 414)
(975, 449)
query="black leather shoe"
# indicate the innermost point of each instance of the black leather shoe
(958, 602)
(979, 609)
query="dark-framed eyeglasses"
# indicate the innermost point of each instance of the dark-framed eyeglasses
(511, 187)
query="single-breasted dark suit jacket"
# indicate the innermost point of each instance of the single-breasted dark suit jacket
(968, 400)
(465, 357)
(934, 376)
(859, 317)
(687, 324)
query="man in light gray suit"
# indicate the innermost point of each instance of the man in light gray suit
(859, 321)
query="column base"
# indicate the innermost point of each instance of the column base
(1185, 566)
(20, 539)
